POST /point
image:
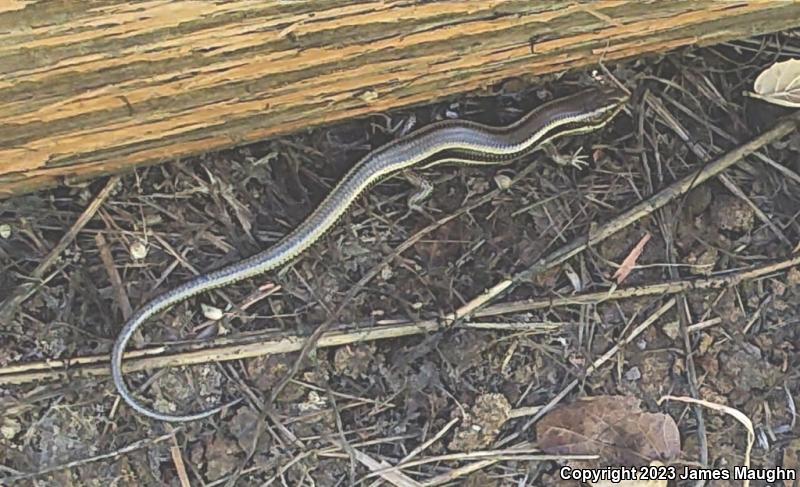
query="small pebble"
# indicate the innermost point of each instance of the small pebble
(138, 250)
(502, 181)
(671, 329)
(10, 428)
(211, 312)
(633, 374)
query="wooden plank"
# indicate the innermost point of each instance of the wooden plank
(91, 88)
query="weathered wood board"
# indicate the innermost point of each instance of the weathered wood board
(91, 88)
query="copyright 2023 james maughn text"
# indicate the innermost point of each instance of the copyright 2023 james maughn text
(671, 472)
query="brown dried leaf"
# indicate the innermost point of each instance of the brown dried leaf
(630, 261)
(779, 84)
(613, 427)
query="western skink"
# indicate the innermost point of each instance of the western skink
(448, 141)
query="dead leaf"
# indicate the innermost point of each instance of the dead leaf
(613, 427)
(630, 261)
(779, 84)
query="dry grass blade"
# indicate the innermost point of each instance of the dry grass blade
(779, 84)
(384, 470)
(177, 460)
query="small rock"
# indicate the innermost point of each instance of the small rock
(221, 457)
(5, 230)
(502, 181)
(672, 329)
(243, 427)
(706, 341)
(138, 250)
(10, 428)
(633, 374)
(211, 312)
(778, 287)
(354, 360)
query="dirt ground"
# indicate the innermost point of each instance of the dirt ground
(456, 403)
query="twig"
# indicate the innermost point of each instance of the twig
(667, 230)
(422, 447)
(113, 275)
(177, 460)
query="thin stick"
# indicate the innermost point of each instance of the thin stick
(180, 466)
(113, 275)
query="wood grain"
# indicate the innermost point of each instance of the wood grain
(91, 88)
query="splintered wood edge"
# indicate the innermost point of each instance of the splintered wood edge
(172, 80)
